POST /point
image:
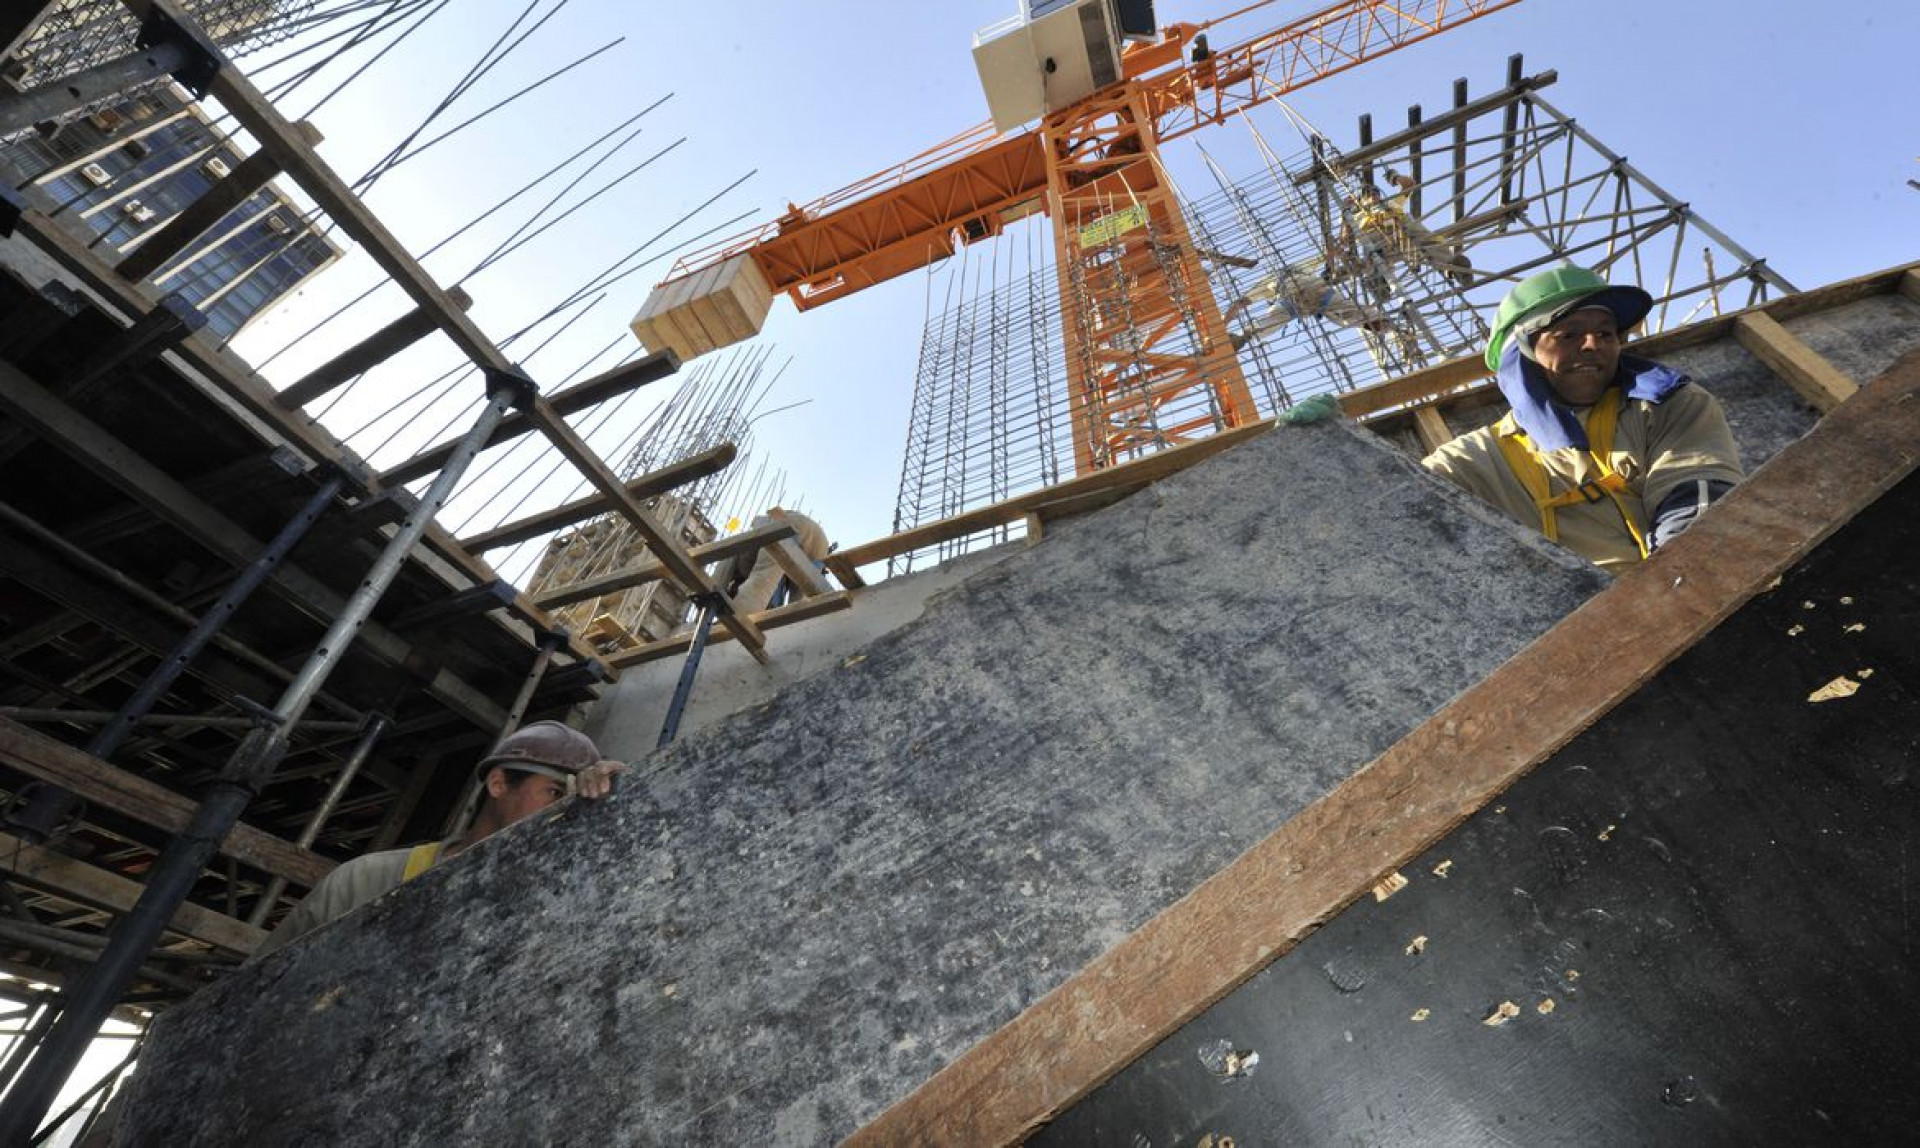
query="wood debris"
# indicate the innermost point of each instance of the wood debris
(1389, 885)
(1840, 687)
(1442, 869)
(1418, 946)
(1506, 1012)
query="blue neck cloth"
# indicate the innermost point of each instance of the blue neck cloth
(1550, 423)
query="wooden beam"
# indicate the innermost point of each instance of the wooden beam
(648, 485)
(1263, 903)
(215, 204)
(224, 372)
(1818, 381)
(1128, 476)
(773, 619)
(58, 763)
(90, 885)
(719, 550)
(665, 547)
(145, 483)
(1465, 372)
(603, 386)
(1431, 428)
(799, 568)
(367, 354)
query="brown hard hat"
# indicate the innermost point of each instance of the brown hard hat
(545, 747)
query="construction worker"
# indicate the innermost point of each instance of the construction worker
(1610, 455)
(530, 769)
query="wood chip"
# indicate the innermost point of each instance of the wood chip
(1389, 885)
(1855, 628)
(1419, 1015)
(1418, 946)
(1607, 833)
(1442, 869)
(1544, 1007)
(1506, 1012)
(1840, 687)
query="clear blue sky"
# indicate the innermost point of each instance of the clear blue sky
(1791, 127)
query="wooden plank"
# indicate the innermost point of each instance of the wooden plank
(90, 885)
(608, 384)
(1431, 428)
(58, 763)
(799, 568)
(646, 486)
(719, 550)
(1265, 901)
(1465, 372)
(773, 619)
(1132, 475)
(665, 547)
(1818, 381)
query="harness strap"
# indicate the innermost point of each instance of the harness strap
(1525, 463)
(420, 859)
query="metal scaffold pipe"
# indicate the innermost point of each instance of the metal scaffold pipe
(87, 1003)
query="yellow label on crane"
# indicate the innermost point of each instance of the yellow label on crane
(1110, 227)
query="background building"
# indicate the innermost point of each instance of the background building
(119, 174)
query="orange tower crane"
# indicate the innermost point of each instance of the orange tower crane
(1141, 326)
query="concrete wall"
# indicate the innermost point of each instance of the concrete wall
(627, 721)
(794, 915)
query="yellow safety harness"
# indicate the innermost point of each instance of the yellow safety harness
(1521, 458)
(420, 859)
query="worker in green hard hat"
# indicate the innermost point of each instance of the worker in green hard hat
(530, 769)
(1609, 454)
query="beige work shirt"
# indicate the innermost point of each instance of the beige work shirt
(1657, 447)
(340, 892)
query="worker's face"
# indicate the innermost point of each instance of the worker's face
(1580, 353)
(520, 795)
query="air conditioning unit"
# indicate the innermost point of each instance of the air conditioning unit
(137, 211)
(96, 175)
(217, 168)
(1054, 54)
(276, 224)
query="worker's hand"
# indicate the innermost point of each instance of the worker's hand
(596, 781)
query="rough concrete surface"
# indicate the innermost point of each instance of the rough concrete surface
(788, 920)
(626, 724)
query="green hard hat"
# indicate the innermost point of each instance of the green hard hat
(1557, 292)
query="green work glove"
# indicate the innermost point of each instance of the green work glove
(1316, 409)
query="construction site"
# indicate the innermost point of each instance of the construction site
(1042, 697)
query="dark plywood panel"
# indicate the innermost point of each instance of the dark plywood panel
(784, 923)
(1702, 908)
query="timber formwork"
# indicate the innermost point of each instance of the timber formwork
(231, 656)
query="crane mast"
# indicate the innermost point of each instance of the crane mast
(1142, 329)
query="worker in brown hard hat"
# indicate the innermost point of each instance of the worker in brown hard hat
(529, 770)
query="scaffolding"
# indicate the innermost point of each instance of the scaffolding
(714, 409)
(1334, 269)
(70, 35)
